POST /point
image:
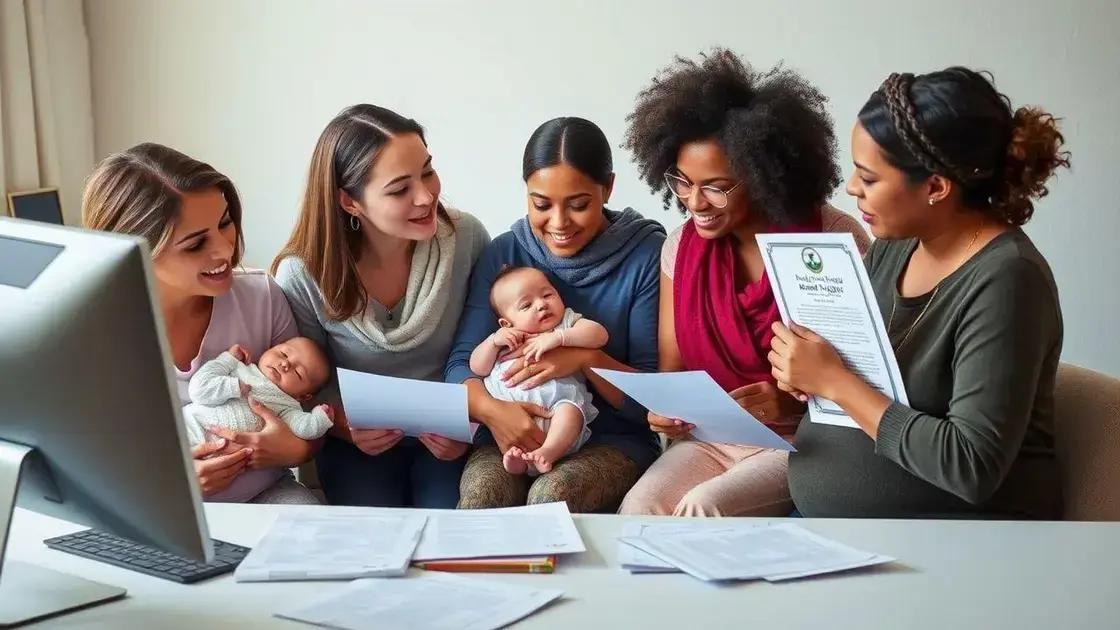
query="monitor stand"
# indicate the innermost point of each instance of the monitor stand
(29, 593)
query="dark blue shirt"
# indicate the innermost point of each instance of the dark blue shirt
(625, 302)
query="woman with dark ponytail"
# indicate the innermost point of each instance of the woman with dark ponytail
(603, 264)
(946, 174)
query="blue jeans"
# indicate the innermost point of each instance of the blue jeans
(407, 475)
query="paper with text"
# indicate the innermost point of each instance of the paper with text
(543, 529)
(820, 282)
(776, 552)
(635, 560)
(315, 545)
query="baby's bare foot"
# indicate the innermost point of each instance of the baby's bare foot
(541, 459)
(514, 461)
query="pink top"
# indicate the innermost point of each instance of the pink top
(255, 314)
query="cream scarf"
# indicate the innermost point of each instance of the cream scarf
(425, 298)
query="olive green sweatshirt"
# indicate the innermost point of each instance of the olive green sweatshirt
(979, 367)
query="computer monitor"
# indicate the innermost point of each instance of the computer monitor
(90, 427)
(37, 205)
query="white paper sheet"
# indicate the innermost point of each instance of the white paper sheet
(533, 530)
(314, 545)
(433, 600)
(777, 552)
(696, 398)
(820, 282)
(413, 406)
(635, 560)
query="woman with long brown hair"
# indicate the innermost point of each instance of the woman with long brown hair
(190, 214)
(376, 273)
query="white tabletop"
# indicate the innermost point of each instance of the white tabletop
(950, 575)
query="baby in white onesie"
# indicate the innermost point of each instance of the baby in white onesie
(534, 320)
(286, 375)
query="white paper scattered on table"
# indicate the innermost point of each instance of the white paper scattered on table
(533, 530)
(433, 600)
(319, 545)
(820, 282)
(635, 560)
(696, 398)
(774, 553)
(413, 406)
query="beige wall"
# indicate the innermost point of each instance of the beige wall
(46, 115)
(248, 85)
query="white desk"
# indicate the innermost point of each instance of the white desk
(951, 575)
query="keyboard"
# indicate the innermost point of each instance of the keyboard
(126, 554)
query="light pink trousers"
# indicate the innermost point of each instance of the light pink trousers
(694, 478)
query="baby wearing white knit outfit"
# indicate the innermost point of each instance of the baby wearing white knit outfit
(534, 320)
(286, 374)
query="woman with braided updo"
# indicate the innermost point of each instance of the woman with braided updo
(741, 152)
(946, 173)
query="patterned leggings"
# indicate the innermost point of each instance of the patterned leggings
(593, 479)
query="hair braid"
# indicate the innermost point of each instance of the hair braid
(956, 124)
(896, 93)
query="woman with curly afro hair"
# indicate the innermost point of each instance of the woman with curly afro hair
(742, 152)
(946, 173)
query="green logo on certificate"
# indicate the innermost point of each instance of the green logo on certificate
(812, 260)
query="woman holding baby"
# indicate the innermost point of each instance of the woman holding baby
(375, 272)
(190, 215)
(597, 273)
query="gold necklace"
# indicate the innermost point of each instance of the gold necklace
(936, 288)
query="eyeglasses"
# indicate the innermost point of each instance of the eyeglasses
(682, 188)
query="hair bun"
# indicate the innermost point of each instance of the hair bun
(1034, 153)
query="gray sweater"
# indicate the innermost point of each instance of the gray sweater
(979, 368)
(344, 350)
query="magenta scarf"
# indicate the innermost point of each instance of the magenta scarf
(722, 321)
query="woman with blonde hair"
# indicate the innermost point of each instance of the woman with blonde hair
(190, 214)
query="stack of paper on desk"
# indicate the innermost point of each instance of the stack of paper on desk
(532, 530)
(351, 543)
(634, 560)
(313, 545)
(434, 600)
(770, 552)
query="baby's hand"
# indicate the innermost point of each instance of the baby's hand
(510, 338)
(245, 388)
(540, 344)
(327, 409)
(240, 353)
